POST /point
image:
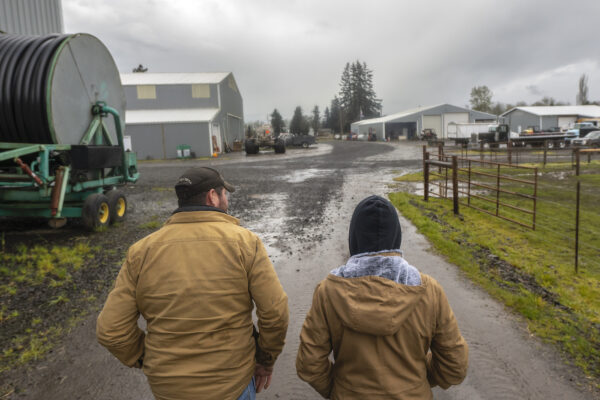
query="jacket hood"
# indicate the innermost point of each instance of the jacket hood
(374, 293)
(374, 226)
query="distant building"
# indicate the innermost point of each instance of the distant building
(407, 124)
(31, 17)
(167, 110)
(546, 117)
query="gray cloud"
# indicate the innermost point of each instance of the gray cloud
(288, 53)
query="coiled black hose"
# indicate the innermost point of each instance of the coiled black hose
(25, 63)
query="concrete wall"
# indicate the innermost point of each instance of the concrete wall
(170, 97)
(147, 140)
(31, 17)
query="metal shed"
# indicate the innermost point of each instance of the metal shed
(546, 117)
(164, 110)
(407, 124)
(31, 17)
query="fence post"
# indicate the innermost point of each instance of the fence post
(577, 162)
(535, 185)
(481, 151)
(509, 150)
(425, 176)
(577, 230)
(455, 183)
(469, 186)
(589, 154)
(440, 156)
(545, 151)
(498, 192)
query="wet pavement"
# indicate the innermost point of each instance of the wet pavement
(300, 205)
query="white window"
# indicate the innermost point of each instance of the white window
(200, 91)
(146, 92)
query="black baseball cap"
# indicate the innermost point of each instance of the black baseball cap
(200, 180)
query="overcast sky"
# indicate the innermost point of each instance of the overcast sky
(286, 53)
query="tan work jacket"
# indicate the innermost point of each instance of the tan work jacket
(194, 281)
(380, 333)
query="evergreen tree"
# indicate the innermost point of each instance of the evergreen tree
(582, 95)
(357, 96)
(335, 117)
(326, 118)
(315, 121)
(298, 123)
(277, 122)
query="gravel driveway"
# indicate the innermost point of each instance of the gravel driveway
(300, 205)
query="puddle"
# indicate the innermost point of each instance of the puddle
(302, 175)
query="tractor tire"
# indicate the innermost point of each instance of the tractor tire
(305, 145)
(562, 144)
(117, 205)
(279, 147)
(251, 146)
(96, 211)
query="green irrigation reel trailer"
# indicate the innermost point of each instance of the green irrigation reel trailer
(62, 151)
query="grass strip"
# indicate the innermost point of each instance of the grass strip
(526, 270)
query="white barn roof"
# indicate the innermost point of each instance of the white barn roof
(392, 117)
(171, 78)
(589, 111)
(139, 117)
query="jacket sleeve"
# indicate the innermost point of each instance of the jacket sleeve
(312, 362)
(116, 328)
(271, 307)
(449, 358)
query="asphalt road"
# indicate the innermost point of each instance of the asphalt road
(300, 205)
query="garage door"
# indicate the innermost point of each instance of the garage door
(459, 118)
(433, 122)
(566, 122)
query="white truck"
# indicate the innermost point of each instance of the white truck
(461, 133)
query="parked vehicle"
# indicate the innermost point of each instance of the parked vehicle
(428, 134)
(592, 139)
(581, 129)
(461, 133)
(298, 140)
(495, 134)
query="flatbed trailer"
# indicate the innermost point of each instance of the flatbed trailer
(553, 140)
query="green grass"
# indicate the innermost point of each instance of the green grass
(153, 224)
(36, 271)
(560, 306)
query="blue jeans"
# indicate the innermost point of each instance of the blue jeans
(249, 393)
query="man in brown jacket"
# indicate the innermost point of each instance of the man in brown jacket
(195, 281)
(391, 330)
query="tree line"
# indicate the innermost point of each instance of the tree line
(481, 99)
(355, 100)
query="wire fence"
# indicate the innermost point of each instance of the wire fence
(560, 202)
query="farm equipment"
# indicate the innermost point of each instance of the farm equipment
(61, 156)
(266, 141)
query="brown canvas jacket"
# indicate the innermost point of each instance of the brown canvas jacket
(389, 340)
(195, 281)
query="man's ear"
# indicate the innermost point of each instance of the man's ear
(212, 198)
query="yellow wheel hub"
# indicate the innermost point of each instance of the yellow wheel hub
(121, 207)
(103, 213)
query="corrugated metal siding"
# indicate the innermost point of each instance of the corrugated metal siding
(521, 120)
(231, 117)
(147, 140)
(31, 17)
(549, 122)
(170, 97)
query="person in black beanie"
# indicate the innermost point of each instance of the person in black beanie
(391, 330)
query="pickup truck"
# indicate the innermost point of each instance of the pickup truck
(297, 140)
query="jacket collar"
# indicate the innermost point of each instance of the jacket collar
(185, 217)
(197, 208)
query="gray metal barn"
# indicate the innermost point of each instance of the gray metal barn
(546, 117)
(407, 124)
(166, 110)
(31, 17)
